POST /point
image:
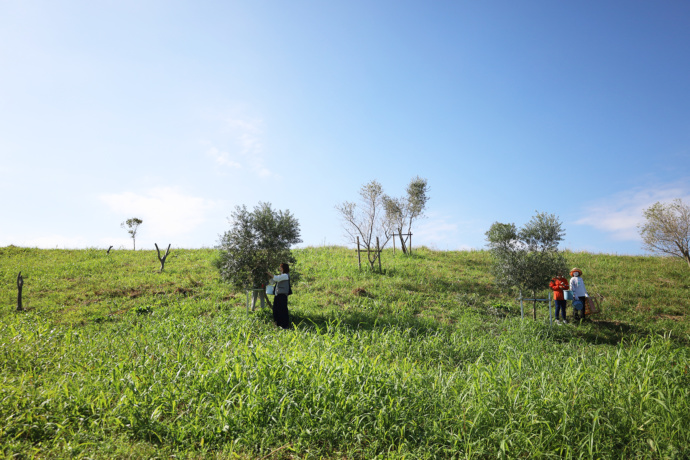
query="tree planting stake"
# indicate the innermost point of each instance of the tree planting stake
(20, 284)
(522, 311)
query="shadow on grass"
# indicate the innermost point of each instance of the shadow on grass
(363, 321)
(612, 332)
(594, 331)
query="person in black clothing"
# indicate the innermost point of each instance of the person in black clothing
(281, 315)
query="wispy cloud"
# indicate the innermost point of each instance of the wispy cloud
(621, 213)
(222, 158)
(245, 148)
(166, 211)
(441, 232)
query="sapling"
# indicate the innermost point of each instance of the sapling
(132, 225)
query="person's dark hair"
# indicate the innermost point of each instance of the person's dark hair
(285, 267)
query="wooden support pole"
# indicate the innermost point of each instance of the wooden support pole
(534, 307)
(405, 243)
(359, 256)
(20, 284)
(378, 252)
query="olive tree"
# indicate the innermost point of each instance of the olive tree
(402, 212)
(258, 241)
(367, 220)
(666, 229)
(527, 258)
(132, 225)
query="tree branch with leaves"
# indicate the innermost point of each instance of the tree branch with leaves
(666, 229)
(367, 220)
(403, 212)
(258, 242)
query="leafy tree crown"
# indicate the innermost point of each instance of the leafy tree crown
(527, 258)
(257, 242)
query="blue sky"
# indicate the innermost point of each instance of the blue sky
(177, 111)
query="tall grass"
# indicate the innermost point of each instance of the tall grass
(115, 360)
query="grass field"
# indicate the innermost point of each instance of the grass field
(112, 359)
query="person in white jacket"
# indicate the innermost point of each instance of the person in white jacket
(281, 314)
(577, 285)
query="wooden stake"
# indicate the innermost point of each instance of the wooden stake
(20, 284)
(359, 256)
(378, 252)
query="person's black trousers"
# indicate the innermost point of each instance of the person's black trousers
(280, 311)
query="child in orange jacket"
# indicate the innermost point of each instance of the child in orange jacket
(558, 284)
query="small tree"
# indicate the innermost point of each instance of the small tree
(667, 229)
(402, 212)
(528, 258)
(257, 242)
(132, 225)
(368, 220)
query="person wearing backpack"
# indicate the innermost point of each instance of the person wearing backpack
(579, 292)
(281, 315)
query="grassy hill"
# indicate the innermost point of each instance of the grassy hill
(426, 360)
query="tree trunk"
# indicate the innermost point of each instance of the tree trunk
(372, 262)
(402, 242)
(162, 259)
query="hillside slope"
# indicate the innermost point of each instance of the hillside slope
(426, 360)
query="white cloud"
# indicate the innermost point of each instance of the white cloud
(166, 211)
(620, 214)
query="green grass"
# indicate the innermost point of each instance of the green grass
(426, 360)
